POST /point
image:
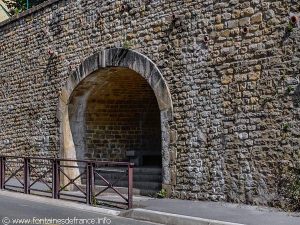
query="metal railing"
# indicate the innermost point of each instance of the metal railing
(68, 179)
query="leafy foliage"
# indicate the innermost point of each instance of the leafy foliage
(18, 6)
(162, 194)
(290, 27)
(127, 44)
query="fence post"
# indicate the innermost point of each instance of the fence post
(55, 178)
(92, 183)
(53, 161)
(130, 185)
(26, 175)
(2, 172)
(88, 183)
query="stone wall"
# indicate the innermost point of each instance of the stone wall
(232, 68)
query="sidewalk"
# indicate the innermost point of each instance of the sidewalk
(177, 212)
(235, 213)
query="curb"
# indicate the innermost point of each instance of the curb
(59, 202)
(170, 219)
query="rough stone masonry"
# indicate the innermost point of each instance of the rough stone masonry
(232, 68)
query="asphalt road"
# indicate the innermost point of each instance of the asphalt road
(12, 209)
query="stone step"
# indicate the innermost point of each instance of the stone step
(146, 180)
(147, 170)
(138, 170)
(136, 177)
(123, 190)
(145, 185)
(139, 174)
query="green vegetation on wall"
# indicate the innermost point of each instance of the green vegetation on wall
(18, 6)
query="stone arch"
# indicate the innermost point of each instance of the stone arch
(118, 57)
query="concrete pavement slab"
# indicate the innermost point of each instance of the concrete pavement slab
(234, 213)
(170, 218)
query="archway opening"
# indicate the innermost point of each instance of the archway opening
(114, 116)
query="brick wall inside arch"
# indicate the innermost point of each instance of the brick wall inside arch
(122, 115)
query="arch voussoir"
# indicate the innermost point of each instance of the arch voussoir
(119, 57)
